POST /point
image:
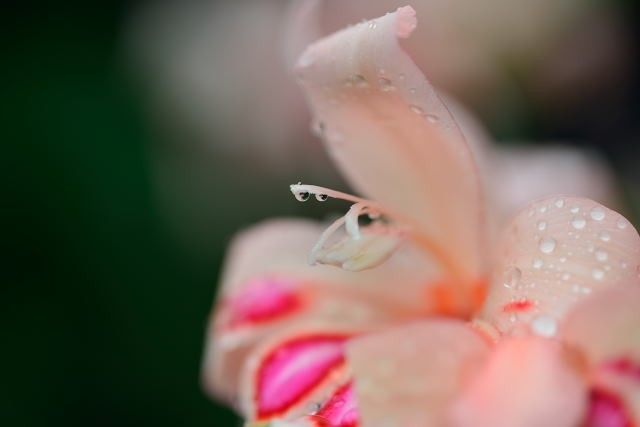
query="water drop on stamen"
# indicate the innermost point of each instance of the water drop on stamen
(302, 196)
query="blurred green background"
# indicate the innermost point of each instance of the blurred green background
(103, 308)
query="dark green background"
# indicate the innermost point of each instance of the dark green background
(103, 311)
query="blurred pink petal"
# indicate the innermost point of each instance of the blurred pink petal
(606, 326)
(527, 382)
(519, 175)
(554, 253)
(407, 376)
(268, 285)
(393, 138)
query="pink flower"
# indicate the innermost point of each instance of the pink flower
(542, 326)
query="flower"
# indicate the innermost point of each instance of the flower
(361, 343)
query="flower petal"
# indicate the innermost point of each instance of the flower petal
(293, 370)
(267, 285)
(393, 138)
(606, 327)
(527, 382)
(519, 175)
(408, 375)
(553, 254)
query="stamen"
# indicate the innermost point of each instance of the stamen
(404, 226)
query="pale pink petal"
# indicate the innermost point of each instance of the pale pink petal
(267, 285)
(393, 138)
(294, 370)
(553, 254)
(527, 382)
(519, 175)
(606, 328)
(407, 376)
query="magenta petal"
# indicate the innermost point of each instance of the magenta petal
(295, 368)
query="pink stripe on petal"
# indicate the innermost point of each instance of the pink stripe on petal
(262, 300)
(341, 410)
(606, 410)
(294, 369)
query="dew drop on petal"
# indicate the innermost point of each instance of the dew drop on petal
(544, 326)
(601, 255)
(622, 224)
(512, 278)
(597, 213)
(575, 209)
(385, 84)
(537, 263)
(432, 118)
(547, 245)
(597, 274)
(373, 25)
(416, 109)
(559, 203)
(578, 223)
(604, 236)
(542, 225)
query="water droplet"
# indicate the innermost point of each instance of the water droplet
(321, 197)
(542, 225)
(559, 203)
(432, 118)
(622, 223)
(537, 263)
(601, 255)
(547, 245)
(372, 25)
(544, 326)
(578, 222)
(318, 127)
(575, 209)
(597, 213)
(512, 278)
(597, 274)
(357, 80)
(385, 84)
(542, 209)
(302, 196)
(416, 109)
(604, 236)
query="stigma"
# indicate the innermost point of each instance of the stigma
(359, 247)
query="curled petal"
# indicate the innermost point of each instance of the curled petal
(408, 375)
(527, 382)
(394, 139)
(554, 253)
